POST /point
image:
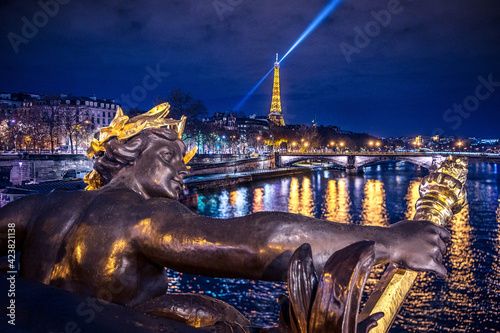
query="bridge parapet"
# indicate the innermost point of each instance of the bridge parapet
(354, 161)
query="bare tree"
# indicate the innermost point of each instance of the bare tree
(183, 104)
(51, 119)
(71, 118)
(34, 131)
(83, 132)
(4, 134)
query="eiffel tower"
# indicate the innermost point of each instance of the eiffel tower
(275, 115)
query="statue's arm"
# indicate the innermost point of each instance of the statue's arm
(14, 218)
(259, 246)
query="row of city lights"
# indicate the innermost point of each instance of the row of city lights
(332, 143)
(342, 144)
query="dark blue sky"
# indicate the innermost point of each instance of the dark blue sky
(402, 79)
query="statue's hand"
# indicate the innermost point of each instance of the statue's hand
(418, 245)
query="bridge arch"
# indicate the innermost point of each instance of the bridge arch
(428, 162)
(287, 160)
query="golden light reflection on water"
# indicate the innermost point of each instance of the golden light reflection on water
(411, 199)
(232, 198)
(258, 195)
(337, 202)
(300, 200)
(293, 200)
(374, 207)
(498, 212)
(307, 202)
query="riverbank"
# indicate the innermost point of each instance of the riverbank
(231, 179)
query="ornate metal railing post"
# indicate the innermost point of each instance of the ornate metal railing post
(442, 194)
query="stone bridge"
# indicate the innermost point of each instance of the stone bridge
(354, 161)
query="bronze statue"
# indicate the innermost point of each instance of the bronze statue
(114, 241)
(329, 303)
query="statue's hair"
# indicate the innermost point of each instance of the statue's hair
(120, 153)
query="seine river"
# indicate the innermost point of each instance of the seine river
(468, 300)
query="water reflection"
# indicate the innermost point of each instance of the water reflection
(293, 201)
(460, 264)
(300, 198)
(498, 212)
(374, 211)
(337, 202)
(258, 195)
(307, 202)
(269, 197)
(239, 202)
(225, 207)
(411, 199)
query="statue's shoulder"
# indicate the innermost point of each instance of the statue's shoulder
(130, 201)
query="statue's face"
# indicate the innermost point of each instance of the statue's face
(160, 169)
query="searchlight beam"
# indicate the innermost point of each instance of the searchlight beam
(317, 21)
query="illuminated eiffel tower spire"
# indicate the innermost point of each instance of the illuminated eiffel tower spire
(275, 115)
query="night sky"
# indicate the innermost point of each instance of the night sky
(400, 77)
